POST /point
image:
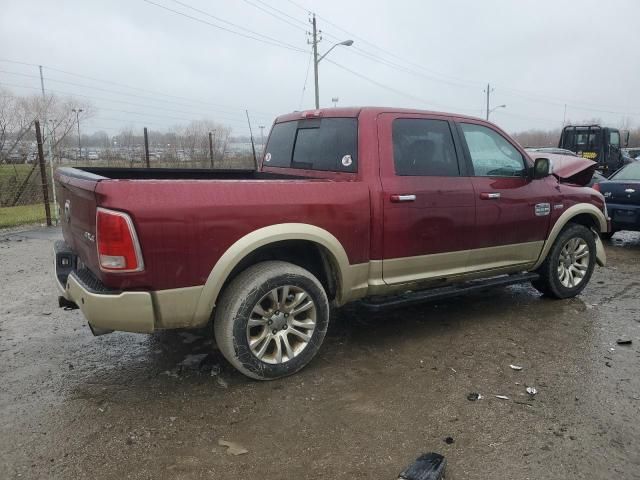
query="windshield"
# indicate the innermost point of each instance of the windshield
(329, 144)
(577, 139)
(630, 172)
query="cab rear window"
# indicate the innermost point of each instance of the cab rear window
(329, 144)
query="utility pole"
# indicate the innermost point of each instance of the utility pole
(564, 116)
(261, 127)
(78, 111)
(316, 36)
(314, 43)
(488, 95)
(335, 101)
(48, 137)
(489, 109)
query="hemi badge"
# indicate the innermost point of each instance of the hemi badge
(543, 209)
(558, 206)
(629, 190)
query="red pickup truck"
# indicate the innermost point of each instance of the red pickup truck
(349, 204)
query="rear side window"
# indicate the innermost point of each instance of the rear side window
(424, 147)
(329, 144)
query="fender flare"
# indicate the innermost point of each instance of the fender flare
(564, 219)
(260, 238)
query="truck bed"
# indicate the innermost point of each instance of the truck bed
(96, 173)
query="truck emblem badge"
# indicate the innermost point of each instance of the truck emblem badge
(67, 211)
(558, 206)
(90, 237)
(543, 209)
(347, 161)
(267, 157)
(629, 190)
(607, 194)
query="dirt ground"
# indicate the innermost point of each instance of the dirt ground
(384, 388)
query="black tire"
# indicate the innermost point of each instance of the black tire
(243, 295)
(549, 282)
(607, 235)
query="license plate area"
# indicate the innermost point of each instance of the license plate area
(66, 261)
(625, 216)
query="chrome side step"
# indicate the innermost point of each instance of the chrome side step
(423, 296)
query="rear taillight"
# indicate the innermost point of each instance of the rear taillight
(596, 187)
(118, 247)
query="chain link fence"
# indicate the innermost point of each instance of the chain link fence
(23, 186)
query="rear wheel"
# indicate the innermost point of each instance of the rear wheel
(569, 264)
(271, 320)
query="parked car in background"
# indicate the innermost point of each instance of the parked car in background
(555, 150)
(597, 178)
(93, 155)
(633, 152)
(621, 192)
(348, 204)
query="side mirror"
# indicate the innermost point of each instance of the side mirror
(541, 168)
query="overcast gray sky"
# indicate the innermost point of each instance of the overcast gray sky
(538, 55)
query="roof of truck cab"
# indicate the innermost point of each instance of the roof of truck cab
(353, 112)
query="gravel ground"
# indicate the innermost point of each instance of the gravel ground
(383, 389)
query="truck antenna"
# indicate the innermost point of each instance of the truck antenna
(253, 146)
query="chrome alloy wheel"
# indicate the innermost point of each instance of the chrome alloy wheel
(573, 262)
(281, 324)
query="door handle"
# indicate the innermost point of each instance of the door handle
(490, 195)
(403, 198)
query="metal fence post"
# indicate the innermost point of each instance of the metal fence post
(146, 146)
(43, 174)
(211, 148)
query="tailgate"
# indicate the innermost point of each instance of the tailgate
(77, 203)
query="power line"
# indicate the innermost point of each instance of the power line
(107, 91)
(387, 52)
(253, 36)
(133, 113)
(145, 90)
(455, 80)
(275, 15)
(391, 89)
(306, 77)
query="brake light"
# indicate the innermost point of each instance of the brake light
(596, 187)
(118, 246)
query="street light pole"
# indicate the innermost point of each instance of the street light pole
(494, 109)
(316, 59)
(261, 127)
(77, 112)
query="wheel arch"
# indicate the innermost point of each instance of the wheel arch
(323, 255)
(584, 214)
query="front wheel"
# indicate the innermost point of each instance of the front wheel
(569, 264)
(271, 320)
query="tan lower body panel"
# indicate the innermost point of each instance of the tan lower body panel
(455, 264)
(176, 308)
(126, 311)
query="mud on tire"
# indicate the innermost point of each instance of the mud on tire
(569, 264)
(275, 302)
